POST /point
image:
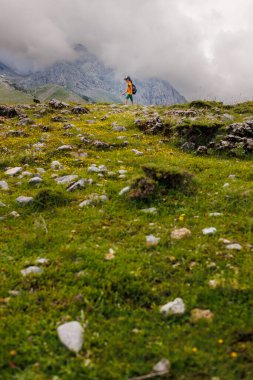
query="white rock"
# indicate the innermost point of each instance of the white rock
(77, 185)
(151, 240)
(151, 210)
(162, 367)
(93, 169)
(13, 171)
(181, 233)
(2, 204)
(25, 174)
(4, 185)
(118, 128)
(41, 261)
(235, 246)
(35, 180)
(175, 307)
(232, 176)
(93, 200)
(213, 283)
(215, 214)
(56, 165)
(125, 190)
(71, 335)
(31, 270)
(65, 147)
(15, 214)
(137, 152)
(41, 170)
(226, 185)
(24, 200)
(66, 179)
(122, 171)
(209, 231)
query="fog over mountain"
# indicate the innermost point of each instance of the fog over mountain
(202, 47)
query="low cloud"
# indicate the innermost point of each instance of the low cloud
(202, 47)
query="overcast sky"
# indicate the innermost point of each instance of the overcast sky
(203, 47)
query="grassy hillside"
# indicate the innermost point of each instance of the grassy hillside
(99, 269)
(9, 95)
(45, 93)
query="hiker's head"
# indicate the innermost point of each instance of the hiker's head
(127, 79)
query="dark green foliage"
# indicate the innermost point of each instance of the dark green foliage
(170, 178)
(205, 104)
(243, 108)
(198, 132)
(48, 198)
(143, 188)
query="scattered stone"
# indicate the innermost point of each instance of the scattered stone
(235, 247)
(56, 165)
(227, 117)
(162, 367)
(137, 152)
(226, 185)
(215, 214)
(94, 169)
(41, 170)
(122, 171)
(13, 171)
(31, 270)
(8, 111)
(71, 335)
(15, 214)
(35, 181)
(152, 241)
(81, 184)
(25, 122)
(175, 307)
(42, 261)
(151, 210)
(111, 255)
(14, 293)
(94, 199)
(188, 146)
(4, 185)
(65, 147)
(124, 190)
(118, 128)
(24, 200)
(101, 144)
(209, 231)
(2, 204)
(225, 241)
(213, 283)
(201, 150)
(56, 104)
(58, 119)
(78, 110)
(65, 180)
(181, 233)
(25, 174)
(197, 314)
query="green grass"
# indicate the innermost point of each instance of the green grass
(9, 95)
(118, 301)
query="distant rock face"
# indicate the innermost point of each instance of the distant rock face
(89, 78)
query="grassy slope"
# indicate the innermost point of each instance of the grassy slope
(118, 300)
(8, 95)
(45, 93)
